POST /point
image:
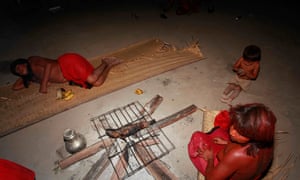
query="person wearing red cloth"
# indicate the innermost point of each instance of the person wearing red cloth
(244, 151)
(70, 67)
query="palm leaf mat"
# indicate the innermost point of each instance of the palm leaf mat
(19, 109)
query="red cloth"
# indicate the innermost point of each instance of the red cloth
(222, 120)
(75, 68)
(13, 171)
(200, 139)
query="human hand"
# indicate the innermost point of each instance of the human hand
(205, 152)
(240, 72)
(218, 140)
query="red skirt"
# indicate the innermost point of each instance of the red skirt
(75, 68)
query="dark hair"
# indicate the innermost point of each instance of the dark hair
(14, 64)
(256, 122)
(26, 78)
(252, 53)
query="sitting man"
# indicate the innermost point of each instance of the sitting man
(68, 67)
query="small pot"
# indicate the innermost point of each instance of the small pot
(74, 142)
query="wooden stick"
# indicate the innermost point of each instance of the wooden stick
(170, 119)
(175, 117)
(156, 168)
(149, 142)
(121, 166)
(97, 168)
(87, 152)
(152, 105)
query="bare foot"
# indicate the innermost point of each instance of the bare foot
(111, 61)
(224, 96)
(226, 100)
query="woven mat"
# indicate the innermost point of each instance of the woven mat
(19, 109)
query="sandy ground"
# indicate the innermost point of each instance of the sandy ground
(97, 28)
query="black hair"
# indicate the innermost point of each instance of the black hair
(256, 122)
(26, 78)
(252, 53)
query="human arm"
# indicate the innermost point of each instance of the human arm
(45, 78)
(224, 169)
(206, 158)
(238, 69)
(221, 141)
(18, 85)
(237, 65)
(208, 155)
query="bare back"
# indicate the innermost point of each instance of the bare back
(39, 68)
(235, 162)
(44, 71)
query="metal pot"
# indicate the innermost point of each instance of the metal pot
(74, 142)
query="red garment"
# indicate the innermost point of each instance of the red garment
(75, 68)
(200, 139)
(222, 120)
(13, 171)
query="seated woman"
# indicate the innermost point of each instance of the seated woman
(243, 151)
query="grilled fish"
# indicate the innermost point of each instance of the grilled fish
(129, 129)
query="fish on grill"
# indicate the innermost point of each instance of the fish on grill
(129, 129)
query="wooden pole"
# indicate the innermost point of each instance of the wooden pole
(170, 119)
(157, 168)
(87, 152)
(176, 116)
(98, 167)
